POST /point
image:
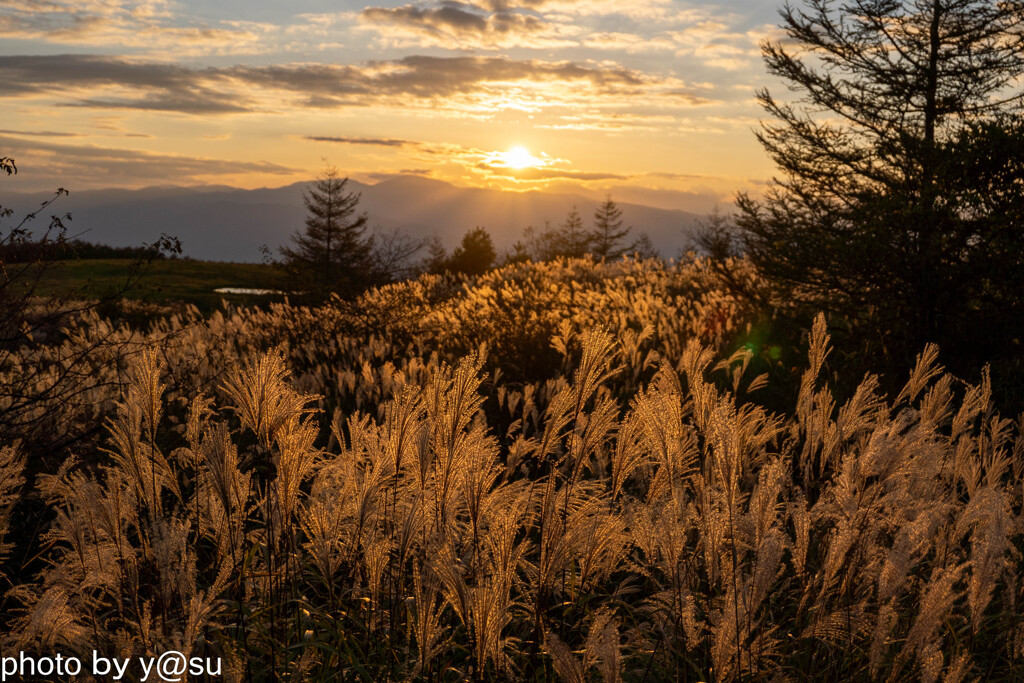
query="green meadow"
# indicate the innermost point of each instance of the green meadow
(161, 282)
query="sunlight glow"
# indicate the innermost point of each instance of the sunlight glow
(519, 158)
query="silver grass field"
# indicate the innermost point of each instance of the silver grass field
(315, 495)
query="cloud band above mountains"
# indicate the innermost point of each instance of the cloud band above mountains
(471, 83)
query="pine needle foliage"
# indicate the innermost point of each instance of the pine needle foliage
(606, 238)
(332, 253)
(906, 113)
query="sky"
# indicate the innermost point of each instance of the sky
(650, 100)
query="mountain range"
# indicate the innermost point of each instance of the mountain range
(220, 223)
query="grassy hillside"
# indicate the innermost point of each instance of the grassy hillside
(165, 281)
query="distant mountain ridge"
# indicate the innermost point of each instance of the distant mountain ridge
(220, 223)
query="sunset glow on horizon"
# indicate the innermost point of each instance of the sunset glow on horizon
(651, 100)
(519, 158)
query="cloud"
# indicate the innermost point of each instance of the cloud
(93, 166)
(449, 16)
(532, 24)
(39, 133)
(633, 9)
(488, 165)
(148, 25)
(703, 37)
(443, 76)
(546, 174)
(186, 103)
(628, 42)
(381, 142)
(624, 122)
(383, 176)
(714, 41)
(465, 26)
(472, 86)
(153, 86)
(726, 56)
(38, 73)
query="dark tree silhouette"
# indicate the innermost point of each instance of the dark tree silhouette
(393, 255)
(567, 240)
(537, 245)
(475, 255)
(906, 108)
(644, 247)
(520, 252)
(572, 239)
(436, 260)
(333, 253)
(607, 236)
(716, 235)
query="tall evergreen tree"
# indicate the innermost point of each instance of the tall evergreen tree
(520, 252)
(875, 215)
(475, 255)
(572, 239)
(436, 260)
(333, 253)
(541, 245)
(607, 236)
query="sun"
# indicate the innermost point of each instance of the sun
(519, 158)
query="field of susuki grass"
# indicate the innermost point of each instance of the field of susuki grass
(560, 471)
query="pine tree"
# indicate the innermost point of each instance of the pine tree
(572, 239)
(475, 255)
(332, 254)
(436, 261)
(644, 248)
(541, 245)
(520, 252)
(608, 233)
(716, 235)
(874, 216)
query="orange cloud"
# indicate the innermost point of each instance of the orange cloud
(463, 26)
(465, 86)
